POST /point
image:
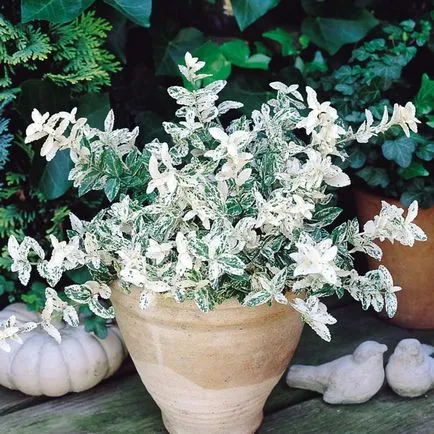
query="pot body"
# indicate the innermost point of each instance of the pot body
(412, 268)
(209, 373)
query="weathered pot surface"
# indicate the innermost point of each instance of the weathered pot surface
(412, 268)
(209, 373)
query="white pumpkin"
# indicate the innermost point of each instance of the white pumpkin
(41, 366)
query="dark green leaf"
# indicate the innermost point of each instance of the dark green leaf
(95, 325)
(238, 53)
(261, 48)
(35, 297)
(317, 64)
(248, 89)
(374, 176)
(55, 11)
(333, 33)
(43, 95)
(284, 38)
(345, 89)
(216, 62)
(94, 107)
(409, 196)
(117, 37)
(413, 171)
(357, 159)
(54, 180)
(169, 53)
(248, 11)
(425, 97)
(138, 11)
(425, 151)
(79, 276)
(400, 150)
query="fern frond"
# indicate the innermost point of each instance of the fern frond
(32, 45)
(22, 45)
(5, 139)
(7, 95)
(78, 46)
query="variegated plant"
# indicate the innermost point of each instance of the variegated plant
(238, 210)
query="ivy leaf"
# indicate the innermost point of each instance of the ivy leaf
(168, 53)
(425, 97)
(425, 151)
(94, 107)
(93, 323)
(54, 180)
(238, 53)
(248, 11)
(400, 150)
(55, 11)
(357, 159)
(332, 34)
(284, 38)
(35, 298)
(317, 64)
(43, 95)
(409, 196)
(413, 171)
(374, 176)
(216, 62)
(138, 11)
(248, 89)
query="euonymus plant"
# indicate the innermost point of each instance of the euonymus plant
(223, 211)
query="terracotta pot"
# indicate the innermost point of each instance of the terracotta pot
(209, 373)
(412, 268)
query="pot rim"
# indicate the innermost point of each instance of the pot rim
(165, 300)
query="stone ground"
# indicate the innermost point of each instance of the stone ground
(121, 405)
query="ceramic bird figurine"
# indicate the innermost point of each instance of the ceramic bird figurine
(410, 371)
(351, 379)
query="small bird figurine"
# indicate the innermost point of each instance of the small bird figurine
(410, 371)
(351, 379)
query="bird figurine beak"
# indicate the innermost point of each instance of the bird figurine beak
(383, 348)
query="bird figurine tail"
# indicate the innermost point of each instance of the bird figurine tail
(306, 377)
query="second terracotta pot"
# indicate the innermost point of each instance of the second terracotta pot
(209, 373)
(412, 268)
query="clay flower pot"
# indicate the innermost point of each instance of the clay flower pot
(412, 268)
(209, 373)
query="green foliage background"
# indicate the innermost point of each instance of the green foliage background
(97, 54)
